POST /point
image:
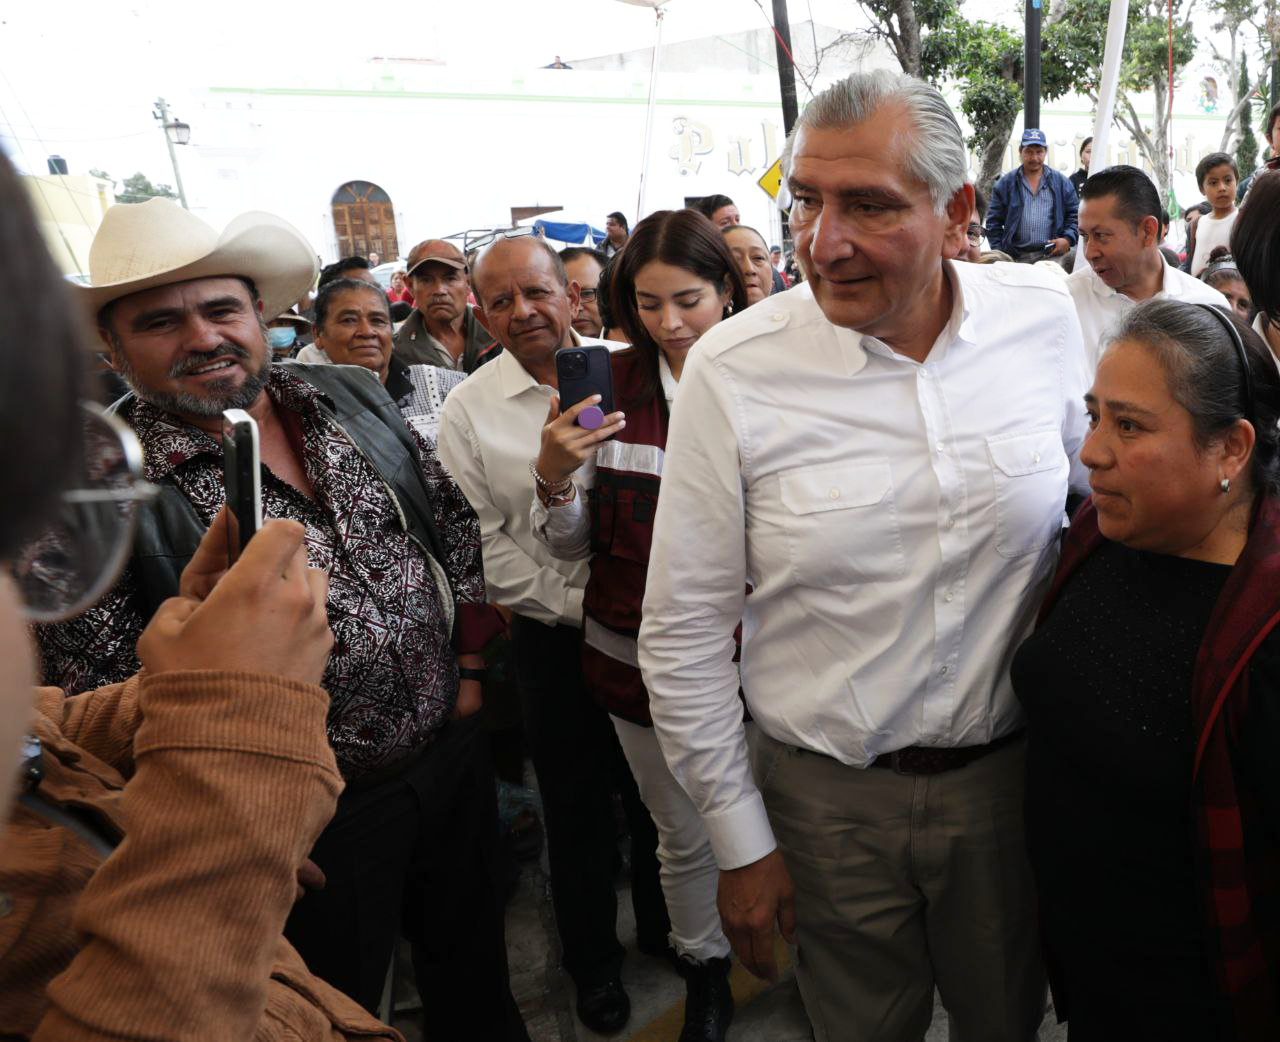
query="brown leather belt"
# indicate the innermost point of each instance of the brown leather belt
(927, 759)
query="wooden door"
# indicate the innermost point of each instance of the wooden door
(364, 221)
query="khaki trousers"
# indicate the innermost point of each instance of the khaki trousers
(905, 883)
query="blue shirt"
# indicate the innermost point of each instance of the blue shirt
(1036, 226)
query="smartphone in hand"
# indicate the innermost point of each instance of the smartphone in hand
(242, 478)
(582, 372)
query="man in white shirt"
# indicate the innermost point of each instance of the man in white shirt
(490, 431)
(892, 497)
(1120, 238)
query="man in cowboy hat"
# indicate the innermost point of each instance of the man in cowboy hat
(411, 848)
(442, 329)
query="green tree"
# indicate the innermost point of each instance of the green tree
(903, 24)
(137, 189)
(1081, 33)
(1247, 146)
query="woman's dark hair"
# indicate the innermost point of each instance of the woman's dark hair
(45, 346)
(602, 292)
(1085, 144)
(1272, 116)
(1255, 243)
(1201, 364)
(324, 299)
(1221, 268)
(683, 239)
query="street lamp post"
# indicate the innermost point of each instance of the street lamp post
(175, 133)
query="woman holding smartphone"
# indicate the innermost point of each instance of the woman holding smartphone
(596, 496)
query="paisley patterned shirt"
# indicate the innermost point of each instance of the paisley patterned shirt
(392, 674)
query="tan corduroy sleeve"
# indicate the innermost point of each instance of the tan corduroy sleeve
(101, 722)
(234, 780)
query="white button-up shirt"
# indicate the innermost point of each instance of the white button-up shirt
(1100, 307)
(490, 429)
(896, 521)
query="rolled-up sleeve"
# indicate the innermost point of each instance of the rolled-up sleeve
(694, 600)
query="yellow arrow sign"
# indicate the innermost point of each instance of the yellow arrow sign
(771, 180)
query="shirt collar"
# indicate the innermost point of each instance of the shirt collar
(669, 383)
(959, 327)
(515, 378)
(1167, 278)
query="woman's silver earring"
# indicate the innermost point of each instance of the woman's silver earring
(1225, 484)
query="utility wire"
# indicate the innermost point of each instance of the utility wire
(70, 195)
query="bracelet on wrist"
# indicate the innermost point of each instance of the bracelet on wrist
(553, 487)
(472, 674)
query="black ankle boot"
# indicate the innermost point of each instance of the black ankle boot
(708, 1006)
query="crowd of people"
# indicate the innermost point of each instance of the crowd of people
(825, 628)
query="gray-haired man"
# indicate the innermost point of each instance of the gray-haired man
(894, 506)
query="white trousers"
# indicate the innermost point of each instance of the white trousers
(689, 871)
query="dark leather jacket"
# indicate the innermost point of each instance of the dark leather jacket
(169, 530)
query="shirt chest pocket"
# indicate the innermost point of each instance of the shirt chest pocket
(841, 524)
(1030, 473)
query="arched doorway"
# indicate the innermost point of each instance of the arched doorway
(364, 221)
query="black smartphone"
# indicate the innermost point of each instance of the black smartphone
(582, 372)
(242, 478)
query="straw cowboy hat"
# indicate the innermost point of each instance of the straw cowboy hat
(143, 245)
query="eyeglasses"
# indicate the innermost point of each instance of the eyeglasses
(587, 295)
(83, 550)
(475, 245)
(975, 234)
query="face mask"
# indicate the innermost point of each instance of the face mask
(280, 337)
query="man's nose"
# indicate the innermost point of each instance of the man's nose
(520, 307)
(832, 238)
(201, 334)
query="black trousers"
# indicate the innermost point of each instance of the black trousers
(417, 855)
(579, 765)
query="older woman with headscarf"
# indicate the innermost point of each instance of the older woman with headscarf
(1152, 694)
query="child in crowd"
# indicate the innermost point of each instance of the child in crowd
(1216, 175)
(1222, 274)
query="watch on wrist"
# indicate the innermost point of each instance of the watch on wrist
(473, 674)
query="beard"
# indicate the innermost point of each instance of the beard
(217, 396)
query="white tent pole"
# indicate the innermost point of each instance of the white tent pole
(1111, 59)
(648, 118)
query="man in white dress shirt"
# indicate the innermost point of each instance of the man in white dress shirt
(490, 431)
(892, 495)
(1120, 238)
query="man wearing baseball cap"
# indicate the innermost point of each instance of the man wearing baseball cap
(442, 329)
(1032, 213)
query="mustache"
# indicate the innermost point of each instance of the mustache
(185, 365)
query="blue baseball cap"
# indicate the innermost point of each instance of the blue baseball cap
(1032, 136)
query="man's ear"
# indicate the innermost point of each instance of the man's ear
(575, 298)
(109, 343)
(1149, 229)
(955, 239)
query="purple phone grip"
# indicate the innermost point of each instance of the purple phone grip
(591, 418)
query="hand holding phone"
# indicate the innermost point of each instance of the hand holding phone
(566, 444)
(582, 372)
(242, 479)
